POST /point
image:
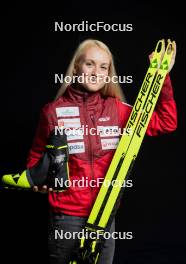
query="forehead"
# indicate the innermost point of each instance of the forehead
(96, 54)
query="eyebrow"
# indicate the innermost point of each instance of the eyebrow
(104, 63)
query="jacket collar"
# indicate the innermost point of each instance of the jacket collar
(80, 97)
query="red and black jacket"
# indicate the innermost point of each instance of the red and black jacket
(90, 155)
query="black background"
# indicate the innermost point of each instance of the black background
(31, 53)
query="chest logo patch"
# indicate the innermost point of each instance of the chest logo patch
(67, 111)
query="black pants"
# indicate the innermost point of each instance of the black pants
(62, 243)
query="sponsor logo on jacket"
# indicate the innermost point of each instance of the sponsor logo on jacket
(110, 143)
(77, 147)
(67, 111)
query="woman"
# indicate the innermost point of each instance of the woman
(90, 102)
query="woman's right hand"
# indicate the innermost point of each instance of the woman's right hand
(43, 189)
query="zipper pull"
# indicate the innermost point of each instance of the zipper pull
(92, 118)
(85, 95)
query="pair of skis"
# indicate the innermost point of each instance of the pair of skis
(106, 203)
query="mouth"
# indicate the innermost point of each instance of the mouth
(94, 79)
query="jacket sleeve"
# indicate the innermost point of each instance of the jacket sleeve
(164, 117)
(40, 140)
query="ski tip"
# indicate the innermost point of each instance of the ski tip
(160, 47)
(170, 47)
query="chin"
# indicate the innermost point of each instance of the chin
(93, 88)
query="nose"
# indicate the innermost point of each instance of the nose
(95, 71)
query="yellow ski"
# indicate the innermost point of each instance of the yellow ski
(106, 202)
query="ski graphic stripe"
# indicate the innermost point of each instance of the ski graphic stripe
(139, 133)
(133, 119)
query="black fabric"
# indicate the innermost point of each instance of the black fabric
(39, 173)
(60, 250)
(57, 138)
(58, 169)
(54, 163)
(51, 169)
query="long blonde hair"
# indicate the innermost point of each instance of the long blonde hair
(109, 89)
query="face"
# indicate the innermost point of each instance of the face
(94, 67)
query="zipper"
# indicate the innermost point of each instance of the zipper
(93, 121)
(90, 151)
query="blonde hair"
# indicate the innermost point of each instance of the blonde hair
(110, 89)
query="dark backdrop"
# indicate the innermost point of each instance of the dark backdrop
(31, 53)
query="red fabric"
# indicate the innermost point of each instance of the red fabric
(94, 110)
